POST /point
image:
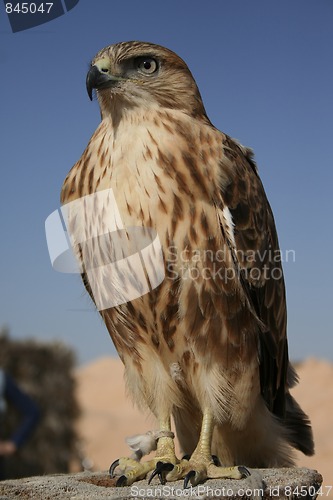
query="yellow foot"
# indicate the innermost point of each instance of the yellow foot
(128, 470)
(196, 470)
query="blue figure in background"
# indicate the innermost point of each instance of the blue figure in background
(11, 393)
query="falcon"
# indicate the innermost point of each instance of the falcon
(207, 348)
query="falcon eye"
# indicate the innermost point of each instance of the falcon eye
(147, 65)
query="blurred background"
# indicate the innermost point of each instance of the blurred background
(265, 73)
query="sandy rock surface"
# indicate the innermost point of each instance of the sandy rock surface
(273, 483)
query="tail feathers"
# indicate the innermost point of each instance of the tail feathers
(299, 427)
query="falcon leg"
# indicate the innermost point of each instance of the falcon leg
(165, 465)
(166, 445)
(201, 465)
(129, 470)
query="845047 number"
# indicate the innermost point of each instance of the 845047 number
(29, 8)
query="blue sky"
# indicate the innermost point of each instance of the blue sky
(265, 73)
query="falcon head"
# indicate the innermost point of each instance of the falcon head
(141, 74)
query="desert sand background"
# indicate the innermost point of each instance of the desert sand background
(108, 415)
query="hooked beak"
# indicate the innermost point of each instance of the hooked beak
(97, 79)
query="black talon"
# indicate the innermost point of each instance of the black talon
(121, 481)
(244, 471)
(113, 466)
(216, 461)
(161, 469)
(186, 457)
(187, 478)
(155, 471)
